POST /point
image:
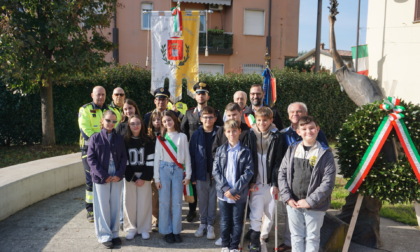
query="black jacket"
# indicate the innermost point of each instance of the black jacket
(274, 155)
(191, 122)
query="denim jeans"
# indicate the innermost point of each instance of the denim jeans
(231, 221)
(305, 226)
(170, 198)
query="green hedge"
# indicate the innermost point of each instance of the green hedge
(320, 91)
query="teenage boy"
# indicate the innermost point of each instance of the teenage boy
(202, 165)
(265, 142)
(190, 123)
(232, 112)
(232, 171)
(306, 181)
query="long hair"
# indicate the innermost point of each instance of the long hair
(150, 128)
(172, 115)
(132, 103)
(142, 136)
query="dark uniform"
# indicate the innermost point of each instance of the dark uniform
(159, 93)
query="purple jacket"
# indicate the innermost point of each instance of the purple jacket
(98, 155)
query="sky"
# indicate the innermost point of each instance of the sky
(345, 25)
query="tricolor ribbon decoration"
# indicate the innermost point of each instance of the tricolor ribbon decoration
(393, 120)
(177, 16)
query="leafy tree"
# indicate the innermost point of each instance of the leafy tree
(43, 41)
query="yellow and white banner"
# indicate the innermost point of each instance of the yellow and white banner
(175, 54)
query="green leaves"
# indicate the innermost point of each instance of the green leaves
(390, 181)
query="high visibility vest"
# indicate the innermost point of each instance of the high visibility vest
(90, 116)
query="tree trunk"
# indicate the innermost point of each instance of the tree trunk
(47, 114)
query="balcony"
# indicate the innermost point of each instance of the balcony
(219, 43)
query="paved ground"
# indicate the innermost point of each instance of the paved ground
(59, 224)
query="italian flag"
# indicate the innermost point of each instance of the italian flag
(362, 59)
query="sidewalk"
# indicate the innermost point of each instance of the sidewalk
(59, 224)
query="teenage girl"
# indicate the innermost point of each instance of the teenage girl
(138, 176)
(130, 108)
(153, 130)
(107, 160)
(169, 177)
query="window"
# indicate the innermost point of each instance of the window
(252, 68)
(145, 17)
(417, 11)
(254, 22)
(203, 22)
(211, 68)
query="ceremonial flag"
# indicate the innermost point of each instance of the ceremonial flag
(175, 50)
(362, 59)
(269, 87)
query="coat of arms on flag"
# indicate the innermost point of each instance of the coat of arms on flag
(175, 50)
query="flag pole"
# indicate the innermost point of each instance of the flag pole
(357, 36)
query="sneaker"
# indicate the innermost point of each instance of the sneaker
(191, 216)
(178, 238)
(90, 217)
(155, 228)
(254, 248)
(218, 242)
(108, 244)
(225, 249)
(169, 238)
(234, 250)
(200, 230)
(210, 233)
(145, 235)
(283, 247)
(130, 235)
(116, 241)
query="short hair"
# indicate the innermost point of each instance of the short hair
(304, 120)
(257, 85)
(303, 105)
(240, 92)
(231, 124)
(233, 106)
(264, 112)
(208, 110)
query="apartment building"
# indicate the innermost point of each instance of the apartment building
(240, 32)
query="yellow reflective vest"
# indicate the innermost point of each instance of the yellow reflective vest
(90, 116)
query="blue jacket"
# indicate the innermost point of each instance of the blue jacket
(244, 173)
(98, 155)
(198, 154)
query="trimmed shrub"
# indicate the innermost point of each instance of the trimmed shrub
(320, 92)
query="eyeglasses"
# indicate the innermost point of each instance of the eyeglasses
(207, 117)
(110, 121)
(119, 94)
(135, 124)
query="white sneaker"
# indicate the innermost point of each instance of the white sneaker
(200, 230)
(210, 233)
(218, 242)
(226, 249)
(130, 235)
(145, 235)
(234, 250)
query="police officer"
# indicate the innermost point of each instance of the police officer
(190, 123)
(90, 116)
(118, 97)
(161, 102)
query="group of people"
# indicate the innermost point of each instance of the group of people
(138, 169)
